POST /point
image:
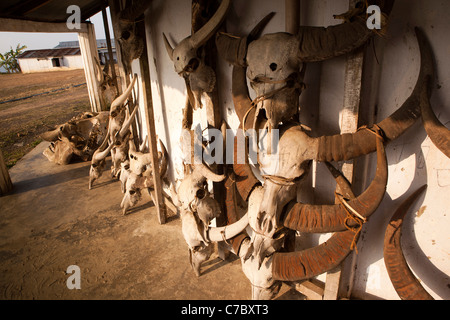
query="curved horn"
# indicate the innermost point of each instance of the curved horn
(305, 264)
(126, 125)
(318, 43)
(100, 155)
(51, 135)
(349, 146)
(227, 232)
(164, 160)
(120, 100)
(207, 173)
(168, 47)
(199, 38)
(402, 278)
(437, 132)
(332, 218)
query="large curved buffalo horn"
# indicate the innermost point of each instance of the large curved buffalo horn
(230, 231)
(120, 100)
(352, 145)
(305, 264)
(437, 132)
(200, 37)
(332, 218)
(402, 278)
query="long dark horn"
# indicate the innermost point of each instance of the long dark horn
(295, 266)
(349, 146)
(437, 132)
(332, 218)
(402, 278)
(199, 38)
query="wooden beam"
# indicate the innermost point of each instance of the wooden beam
(16, 25)
(158, 197)
(349, 124)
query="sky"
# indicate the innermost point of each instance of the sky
(36, 40)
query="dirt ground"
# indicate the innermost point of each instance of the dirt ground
(22, 122)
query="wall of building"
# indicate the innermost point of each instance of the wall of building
(413, 159)
(45, 64)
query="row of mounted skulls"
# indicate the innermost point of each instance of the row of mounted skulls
(263, 213)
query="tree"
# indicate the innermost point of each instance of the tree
(9, 61)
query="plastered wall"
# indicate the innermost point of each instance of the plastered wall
(390, 73)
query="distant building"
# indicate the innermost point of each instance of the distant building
(66, 55)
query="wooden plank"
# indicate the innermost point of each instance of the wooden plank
(16, 25)
(150, 124)
(313, 289)
(5, 180)
(349, 124)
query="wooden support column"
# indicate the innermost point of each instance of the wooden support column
(349, 124)
(88, 47)
(158, 196)
(5, 180)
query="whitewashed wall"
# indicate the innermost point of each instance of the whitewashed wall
(42, 65)
(413, 159)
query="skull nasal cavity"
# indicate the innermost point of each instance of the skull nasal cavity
(273, 66)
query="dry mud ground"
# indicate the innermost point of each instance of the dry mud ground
(22, 121)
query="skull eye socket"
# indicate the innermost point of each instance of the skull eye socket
(200, 194)
(125, 35)
(273, 66)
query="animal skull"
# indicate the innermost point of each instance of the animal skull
(81, 136)
(188, 59)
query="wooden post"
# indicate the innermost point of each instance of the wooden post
(150, 124)
(349, 124)
(88, 47)
(5, 180)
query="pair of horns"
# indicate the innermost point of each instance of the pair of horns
(200, 37)
(120, 100)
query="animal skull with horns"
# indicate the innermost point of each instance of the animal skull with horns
(188, 58)
(80, 136)
(116, 139)
(275, 75)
